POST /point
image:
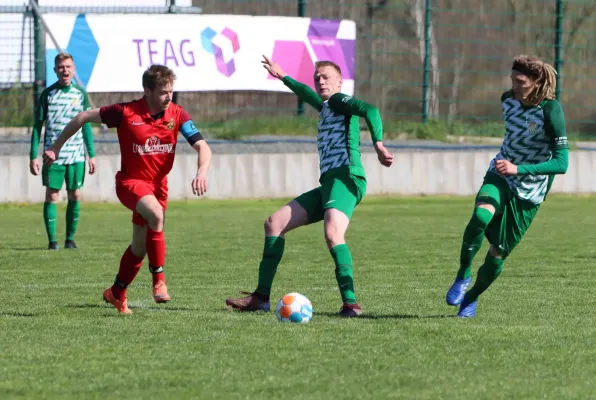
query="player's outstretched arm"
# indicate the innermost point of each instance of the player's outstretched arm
(301, 90)
(199, 183)
(51, 154)
(348, 105)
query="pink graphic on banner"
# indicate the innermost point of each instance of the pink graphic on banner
(223, 46)
(295, 59)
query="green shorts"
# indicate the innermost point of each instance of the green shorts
(513, 215)
(55, 175)
(342, 192)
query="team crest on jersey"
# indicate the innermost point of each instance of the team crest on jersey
(533, 127)
(170, 124)
(152, 146)
(76, 102)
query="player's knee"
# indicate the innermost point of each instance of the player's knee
(272, 226)
(52, 196)
(74, 195)
(155, 220)
(495, 252)
(333, 236)
(482, 216)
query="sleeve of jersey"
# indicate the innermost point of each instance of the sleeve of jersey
(347, 105)
(40, 115)
(86, 102)
(188, 129)
(35, 135)
(554, 126)
(112, 115)
(304, 93)
(88, 139)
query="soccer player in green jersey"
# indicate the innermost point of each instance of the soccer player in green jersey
(518, 179)
(342, 183)
(58, 104)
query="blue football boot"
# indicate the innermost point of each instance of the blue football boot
(456, 292)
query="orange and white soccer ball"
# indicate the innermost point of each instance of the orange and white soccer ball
(294, 307)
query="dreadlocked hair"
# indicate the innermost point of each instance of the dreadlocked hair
(542, 73)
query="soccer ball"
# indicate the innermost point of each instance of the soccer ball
(294, 307)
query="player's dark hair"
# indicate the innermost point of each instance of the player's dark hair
(158, 75)
(61, 57)
(319, 64)
(542, 73)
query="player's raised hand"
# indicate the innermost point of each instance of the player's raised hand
(273, 68)
(199, 185)
(49, 156)
(91, 165)
(385, 157)
(505, 168)
(34, 167)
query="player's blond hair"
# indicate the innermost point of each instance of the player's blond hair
(320, 64)
(157, 76)
(543, 74)
(62, 56)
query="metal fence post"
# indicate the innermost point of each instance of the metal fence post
(301, 13)
(558, 46)
(39, 58)
(425, 67)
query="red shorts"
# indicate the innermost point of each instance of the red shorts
(130, 191)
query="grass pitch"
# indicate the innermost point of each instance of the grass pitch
(533, 337)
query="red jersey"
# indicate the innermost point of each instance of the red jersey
(147, 144)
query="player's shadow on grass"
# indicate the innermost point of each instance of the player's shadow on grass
(389, 316)
(15, 314)
(24, 248)
(132, 307)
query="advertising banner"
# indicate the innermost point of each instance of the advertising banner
(207, 52)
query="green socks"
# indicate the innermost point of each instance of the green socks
(344, 272)
(473, 236)
(49, 218)
(272, 253)
(72, 218)
(487, 274)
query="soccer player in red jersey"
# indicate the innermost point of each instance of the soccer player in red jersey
(147, 132)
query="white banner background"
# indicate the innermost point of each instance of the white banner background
(129, 43)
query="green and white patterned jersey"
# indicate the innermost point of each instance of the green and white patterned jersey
(338, 138)
(58, 106)
(531, 136)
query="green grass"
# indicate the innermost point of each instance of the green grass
(533, 336)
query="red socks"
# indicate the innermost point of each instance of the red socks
(129, 268)
(156, 252)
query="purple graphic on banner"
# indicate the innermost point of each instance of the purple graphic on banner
(223, 46)
(296, 60)
(322, 35)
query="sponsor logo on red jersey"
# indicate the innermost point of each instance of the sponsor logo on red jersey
(152, 146)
